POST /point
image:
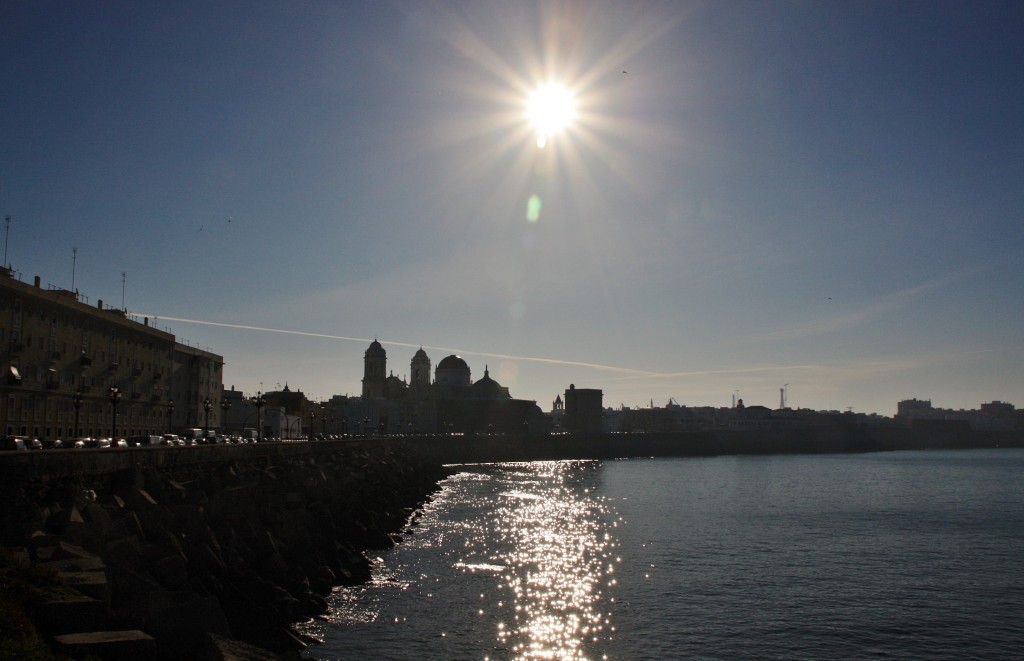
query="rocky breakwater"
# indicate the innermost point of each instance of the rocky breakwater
(212, 560)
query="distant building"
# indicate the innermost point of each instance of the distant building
(583, 410)
(912, 407)
(990, 416)
(239, 413)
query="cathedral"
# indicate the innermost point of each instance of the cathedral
(451, 402)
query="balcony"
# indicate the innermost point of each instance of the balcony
(113, 367)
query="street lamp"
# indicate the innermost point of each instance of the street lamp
(207, 405)
(259, 401)
(170, 415)
(114, 395)
(312, 417)
(225, 404)
(77, 402)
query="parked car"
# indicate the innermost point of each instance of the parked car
(13, 443)
(145, 441)
(35, 444)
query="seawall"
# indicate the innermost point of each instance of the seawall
(200, 553)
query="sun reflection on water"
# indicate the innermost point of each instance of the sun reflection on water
(559, 564)
(512, 561)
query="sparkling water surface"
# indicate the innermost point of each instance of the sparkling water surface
(910, 555)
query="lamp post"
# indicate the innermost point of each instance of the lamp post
(259, 401)
(312, 418)
(114, 395)
(76, 401)
(207, 405)
(170, 415)
(225, 404)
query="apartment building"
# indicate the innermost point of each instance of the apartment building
(72, 369)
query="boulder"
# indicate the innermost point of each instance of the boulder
(222, 648)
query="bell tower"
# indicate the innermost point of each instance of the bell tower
(420, 369)
(374, 366)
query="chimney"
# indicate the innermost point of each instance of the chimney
(99, 303)
(37, 281)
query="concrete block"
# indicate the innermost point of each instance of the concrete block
(61, 609)
(90, 583)
(222, 648)
(127, 645)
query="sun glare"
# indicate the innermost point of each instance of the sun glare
(550, 109)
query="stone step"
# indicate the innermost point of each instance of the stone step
(127, 645)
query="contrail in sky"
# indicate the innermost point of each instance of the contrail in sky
(533, 359)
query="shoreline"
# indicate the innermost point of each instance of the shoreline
(206, 554)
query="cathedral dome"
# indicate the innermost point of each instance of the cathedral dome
(375, 349)
(488, 388)
(452, 371)
(452, 362)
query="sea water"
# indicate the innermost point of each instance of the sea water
(900, 555)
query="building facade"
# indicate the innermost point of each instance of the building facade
(73, 370)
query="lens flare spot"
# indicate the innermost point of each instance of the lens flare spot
(533, 206)
(508, 371)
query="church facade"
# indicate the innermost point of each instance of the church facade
(450, 402)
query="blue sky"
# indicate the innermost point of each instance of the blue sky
(828, 195)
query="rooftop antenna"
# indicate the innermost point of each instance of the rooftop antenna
(74, 263)
(123, 276)
(782, 396)
(7, 234)
(735, 394)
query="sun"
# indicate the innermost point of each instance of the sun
(550, 109)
